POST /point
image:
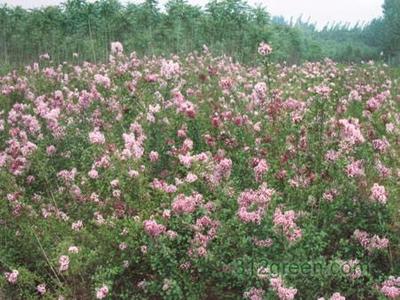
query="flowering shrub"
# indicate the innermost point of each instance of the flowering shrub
(189, 177)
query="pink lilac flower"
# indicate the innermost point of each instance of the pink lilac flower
(2, 122)
(263, 273)
(355, 169)
(378, 193)
(264, 49)
(12, 276)
(153, 229)
(184, 106)
(182, 132)
(205, 231)
(76, 193)
(323, 90)
(166, 214)
(226, 84)
(78, 225)
(186, 160)
(133, 173)
(380, 145)
(332, 155)
(116, 193)
(221, 171)
(376, 102)
(293, 105)
(116, 48)
(102, 292)
(44, 56)
(67, 176)
(286, 222)
(257, 127)
(94, 197)
(122, 246)
(254, 294)
(370, 242)
(171, 234)
(390, 127)
(351, 131)
(142, 284)
(282, 292)
(355, 96)
(187, 145)
(30, 179)
(73, 249)
(167, 284)
(41, 288)
(31, 123)
(163, 186)
(351, 268)
(391, 287)
(260, 90)
(96, 137)
(382, 170)
(330, 195)
(102, 162)
(151, 77)
(170, 69)
(191, 177)
(337, 296)
(114, 183)
(93, 174)
(186, 204)
(252, 204)
(266, 243)
(125, 264)
(102, 80)
(134, 142)
(99, 219)
(153, 156)
(64, 263)
(199, 251)
(185, 266)
(260, 169)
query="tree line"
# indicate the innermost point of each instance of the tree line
(230, 27)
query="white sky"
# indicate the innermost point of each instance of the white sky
(319, 11)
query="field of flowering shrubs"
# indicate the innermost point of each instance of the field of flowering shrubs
(199, 178)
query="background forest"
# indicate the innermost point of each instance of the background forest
(231, 27)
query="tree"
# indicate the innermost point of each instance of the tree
(391, 12)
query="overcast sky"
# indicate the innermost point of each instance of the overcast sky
(320, 11)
